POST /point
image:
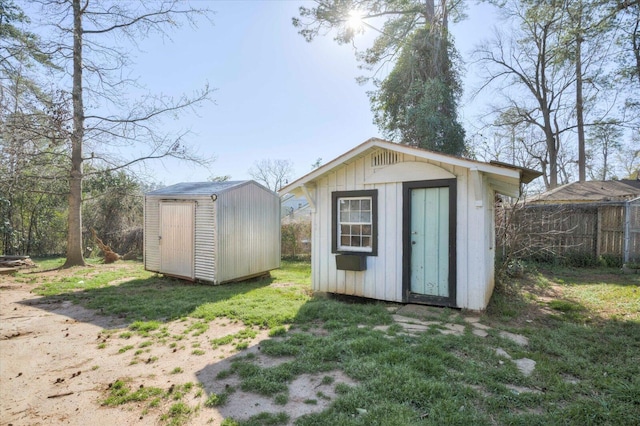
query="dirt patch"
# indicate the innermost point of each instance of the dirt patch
(59, 362)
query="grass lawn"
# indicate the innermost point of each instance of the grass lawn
(583, 327)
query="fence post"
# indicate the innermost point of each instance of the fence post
(598, 232)
(627, 230)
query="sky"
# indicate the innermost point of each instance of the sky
(277, 96)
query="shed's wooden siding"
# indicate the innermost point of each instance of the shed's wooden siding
(383, 277)
(151, 233)
(248, 232)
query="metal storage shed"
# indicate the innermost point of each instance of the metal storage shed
(212, 231)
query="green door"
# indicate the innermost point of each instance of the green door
(429, 242)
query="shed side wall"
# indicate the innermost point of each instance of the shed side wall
(248, 232)
(151, 233)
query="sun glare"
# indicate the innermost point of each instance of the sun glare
(355, 20)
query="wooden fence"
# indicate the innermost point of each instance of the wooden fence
(580, 231)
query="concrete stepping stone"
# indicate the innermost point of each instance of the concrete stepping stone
(475, 321)
(480, 333)
(414, 328)
(457, 329)
(525, 365)
(401, 319)
(516, 338)
(501, 352)
(570, 379)
(520, 389)
(420, 310)
(481, 326)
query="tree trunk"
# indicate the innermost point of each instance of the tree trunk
(74, 233)
(552, 149)
(430, 12)
(635, 41)
(582, 158)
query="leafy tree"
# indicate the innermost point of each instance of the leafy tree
(113, 207)
(416, 103)
(31, 142)
(18, 48)
(86, 40)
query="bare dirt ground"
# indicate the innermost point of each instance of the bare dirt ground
(58, 361)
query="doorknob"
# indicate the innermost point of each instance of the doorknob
(413, 242)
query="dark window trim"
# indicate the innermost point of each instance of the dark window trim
(373, 193)
(450, 301)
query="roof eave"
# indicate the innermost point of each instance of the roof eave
(500, 169)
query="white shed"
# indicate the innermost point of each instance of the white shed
(402, 224)
(212, 231)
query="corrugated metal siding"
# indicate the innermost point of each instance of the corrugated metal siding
(236, 236)
(248, 232)
(205, 240)
(151, 232)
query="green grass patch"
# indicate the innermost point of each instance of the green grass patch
(266, 302)
(281, 399)
(178, 414)
(583, 327)
(144, 327)
(278, 331)
(582, 376)
(218, 400)
(239, 337)
(265, 419)
(197, 328)
(125, 349)
(120, 393)
(87, 278)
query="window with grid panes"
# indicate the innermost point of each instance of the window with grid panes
(354, 221)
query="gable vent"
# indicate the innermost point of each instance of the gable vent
(384, 158)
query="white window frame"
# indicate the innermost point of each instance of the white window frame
(356, 223)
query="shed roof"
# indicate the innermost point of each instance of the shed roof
(590, 192)
(501, 169)
(198, 188)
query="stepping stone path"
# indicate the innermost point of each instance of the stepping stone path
(417, 319)
(515, 338)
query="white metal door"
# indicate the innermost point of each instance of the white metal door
(177, 239)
